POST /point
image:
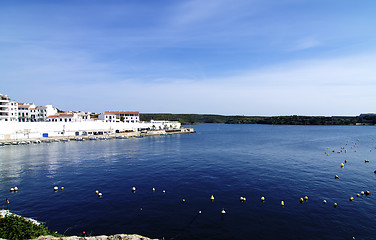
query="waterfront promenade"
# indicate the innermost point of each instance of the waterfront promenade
(123, 135)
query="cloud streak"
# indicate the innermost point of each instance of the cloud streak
(228, 57)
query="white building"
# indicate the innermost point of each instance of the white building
(41, 113)
(120, 116)
(163, 124)
(25, 112)
(8, 109)
(68, 117)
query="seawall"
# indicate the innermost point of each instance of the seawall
(26, 131)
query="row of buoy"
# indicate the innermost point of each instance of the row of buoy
(57, 188)
(14, 189)
(342, 166)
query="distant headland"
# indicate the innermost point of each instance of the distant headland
(189, 119)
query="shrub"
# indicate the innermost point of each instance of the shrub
(17, 227)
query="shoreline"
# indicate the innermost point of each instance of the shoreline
(102, 137)
(5, 213)
(99, 237)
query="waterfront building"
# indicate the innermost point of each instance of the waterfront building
(68, 117)
(163, 124)
(8, 109)
(26, 112)
(41, 113)
(27, 121)
(120, 116)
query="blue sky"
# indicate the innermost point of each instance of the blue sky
(231, 57)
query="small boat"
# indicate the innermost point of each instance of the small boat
(65, 140)
(92, 138)
(121, 137)
(15, 143)
(48, 141)
(56, 140)
(23, 143)
(79, 139)
(1, 144)
(36, 141)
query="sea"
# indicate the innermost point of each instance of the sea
(175, 176)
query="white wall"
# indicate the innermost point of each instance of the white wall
(32, 130)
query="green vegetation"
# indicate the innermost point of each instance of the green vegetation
(188, 119)
(17, 227)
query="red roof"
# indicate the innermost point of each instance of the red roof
(119, 112)
(62, 115)
(23, 105)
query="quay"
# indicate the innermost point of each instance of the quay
(99, 137)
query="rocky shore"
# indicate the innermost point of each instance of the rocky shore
(101, 237)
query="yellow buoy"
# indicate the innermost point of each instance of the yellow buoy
(358, 195)
(223, 211)
(351, 199)
(301, 200)
(262, 199)
(164, 191)
(96, 191)
(212, 198)
(335, 204)
(183, 200)
(62, 188)
(342, 165)
(282, 203)
(306, 198)
(153, 189)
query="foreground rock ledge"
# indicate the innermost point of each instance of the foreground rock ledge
(102, 237)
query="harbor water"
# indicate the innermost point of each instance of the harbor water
(175, 176)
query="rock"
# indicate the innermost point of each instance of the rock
(101, 237)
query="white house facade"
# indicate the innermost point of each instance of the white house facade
(68, 117)
(8, 109)
(25, 112)
(120, 116)
(41, 113)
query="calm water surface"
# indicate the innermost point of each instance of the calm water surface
(227, 161)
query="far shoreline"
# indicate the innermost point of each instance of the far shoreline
(368, 119)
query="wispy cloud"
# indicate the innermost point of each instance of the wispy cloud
(230, 57)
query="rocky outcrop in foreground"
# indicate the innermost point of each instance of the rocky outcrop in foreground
(102, 237)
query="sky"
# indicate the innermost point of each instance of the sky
(228, 57)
